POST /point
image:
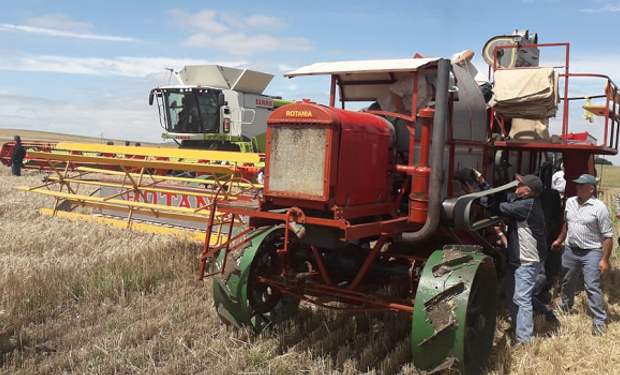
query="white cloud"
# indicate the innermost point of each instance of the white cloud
(121, 66)
(255, 21)
(132, 118)
(59, 21)
(242, 44)
(203, 20)
(261, 21)
(609, 8)
(62, 33)
(231, 32)
(285, 68)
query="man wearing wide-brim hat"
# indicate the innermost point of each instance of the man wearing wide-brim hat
(588, 239)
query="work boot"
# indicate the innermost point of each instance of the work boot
(544, 297)
(552, 319)
(598, 329)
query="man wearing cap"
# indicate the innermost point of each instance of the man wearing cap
(527, 248)
(588, 238)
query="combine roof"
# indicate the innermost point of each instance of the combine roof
(362, 67)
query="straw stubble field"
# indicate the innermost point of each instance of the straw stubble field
(84, 298)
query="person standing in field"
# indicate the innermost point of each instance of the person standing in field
(588, 239)
(617, 211)
(526, 246)
(558, 182)
(17, 157)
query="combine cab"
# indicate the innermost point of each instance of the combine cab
(216, 107)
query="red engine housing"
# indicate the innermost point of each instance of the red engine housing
(320, 157)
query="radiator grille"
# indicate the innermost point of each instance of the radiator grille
(297, 160)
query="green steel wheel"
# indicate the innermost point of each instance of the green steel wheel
(240, 300)
(455, 311)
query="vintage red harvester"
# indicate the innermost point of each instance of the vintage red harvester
(359, 214)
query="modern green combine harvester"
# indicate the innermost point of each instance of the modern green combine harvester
(216, 107)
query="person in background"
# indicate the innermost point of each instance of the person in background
(260, 176)
(587, 235)
(127, 143)
(617, 205)
(260, 179)
(541, 296)
(17, 157)
(399, 99)
(189, 119)
(558, 182)
(463, 59)
(526, 246)
(617, 211)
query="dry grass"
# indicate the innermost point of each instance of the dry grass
(83, 298)
(610, 175)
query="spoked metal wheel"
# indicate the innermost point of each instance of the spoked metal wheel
(240, 297)
(455, 311)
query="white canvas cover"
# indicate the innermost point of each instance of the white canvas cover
(529, 129)
(526, 93)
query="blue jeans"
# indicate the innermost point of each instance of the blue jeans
(539, 284)
(520, 282)
(573, 261)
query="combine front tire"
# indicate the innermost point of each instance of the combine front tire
(240, 298)
(455, 310)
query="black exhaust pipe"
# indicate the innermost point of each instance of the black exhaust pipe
(438, 140)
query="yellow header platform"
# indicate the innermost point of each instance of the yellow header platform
(155, 152)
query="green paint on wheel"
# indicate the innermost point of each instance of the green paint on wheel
(455, 311)
(239, 298)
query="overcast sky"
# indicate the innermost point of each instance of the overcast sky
(87, 67)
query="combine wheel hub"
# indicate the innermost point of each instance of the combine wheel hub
(240, 298)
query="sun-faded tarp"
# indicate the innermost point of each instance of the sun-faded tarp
(526, 93)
